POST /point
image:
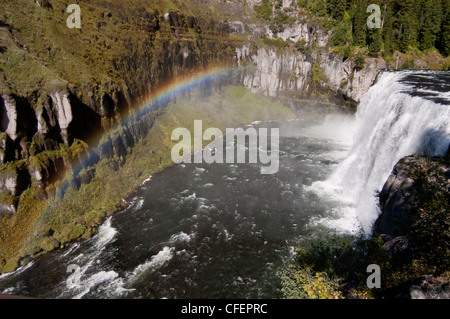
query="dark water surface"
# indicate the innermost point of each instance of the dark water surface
(198, 230)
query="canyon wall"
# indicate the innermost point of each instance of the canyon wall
(117, 63)
(286, 71)
(124, 56)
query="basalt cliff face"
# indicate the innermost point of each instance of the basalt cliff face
(289, 74)
(295, 73)
(60, 87)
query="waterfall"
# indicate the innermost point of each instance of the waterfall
(404, 113)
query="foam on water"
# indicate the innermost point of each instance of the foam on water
(95, 280)
(106, 233)
(181, 237)
(155, 261)
(147, 180)
(17, 271)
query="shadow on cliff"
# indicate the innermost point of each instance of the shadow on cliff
(86, 123)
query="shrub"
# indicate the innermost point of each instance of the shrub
(298, 283)
(360, 61)
(303, 47)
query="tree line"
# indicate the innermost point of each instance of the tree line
(421, 24)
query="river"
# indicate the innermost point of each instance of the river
(201, 230)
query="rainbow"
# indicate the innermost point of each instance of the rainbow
(176, 86)
(171, 88)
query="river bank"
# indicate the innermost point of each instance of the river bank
(76, 215)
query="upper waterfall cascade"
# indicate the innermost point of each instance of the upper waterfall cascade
(404, 113)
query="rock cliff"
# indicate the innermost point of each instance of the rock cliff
(274, 72)
(414, 225)
(405, 194)
(56, 94)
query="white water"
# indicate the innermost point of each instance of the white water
(391, 124)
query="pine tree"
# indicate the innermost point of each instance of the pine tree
(374, 42)
(431, 26)
(342, 33)
(445, 36)
(359, 23)
(405, 23)
(387, 32)
(408, 22)
(337, 8)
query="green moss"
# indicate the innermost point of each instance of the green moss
(7, 198)
(317, 79)
(11, 265)
(277, 43)
(117, 46)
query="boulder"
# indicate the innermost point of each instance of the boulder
(396, 200)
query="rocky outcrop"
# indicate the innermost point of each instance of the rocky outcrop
(272, 72)
(395, 200)
(343, 76)
(423, 287)
(8, 116)
(284, 67)
(400, 199)
(413, 224)
(301, 32)
(14, 180)
(63, 111)
(288, 70)
(277, 72)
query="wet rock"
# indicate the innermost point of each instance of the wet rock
(400, 194)
(396, 200)
(423, 287)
